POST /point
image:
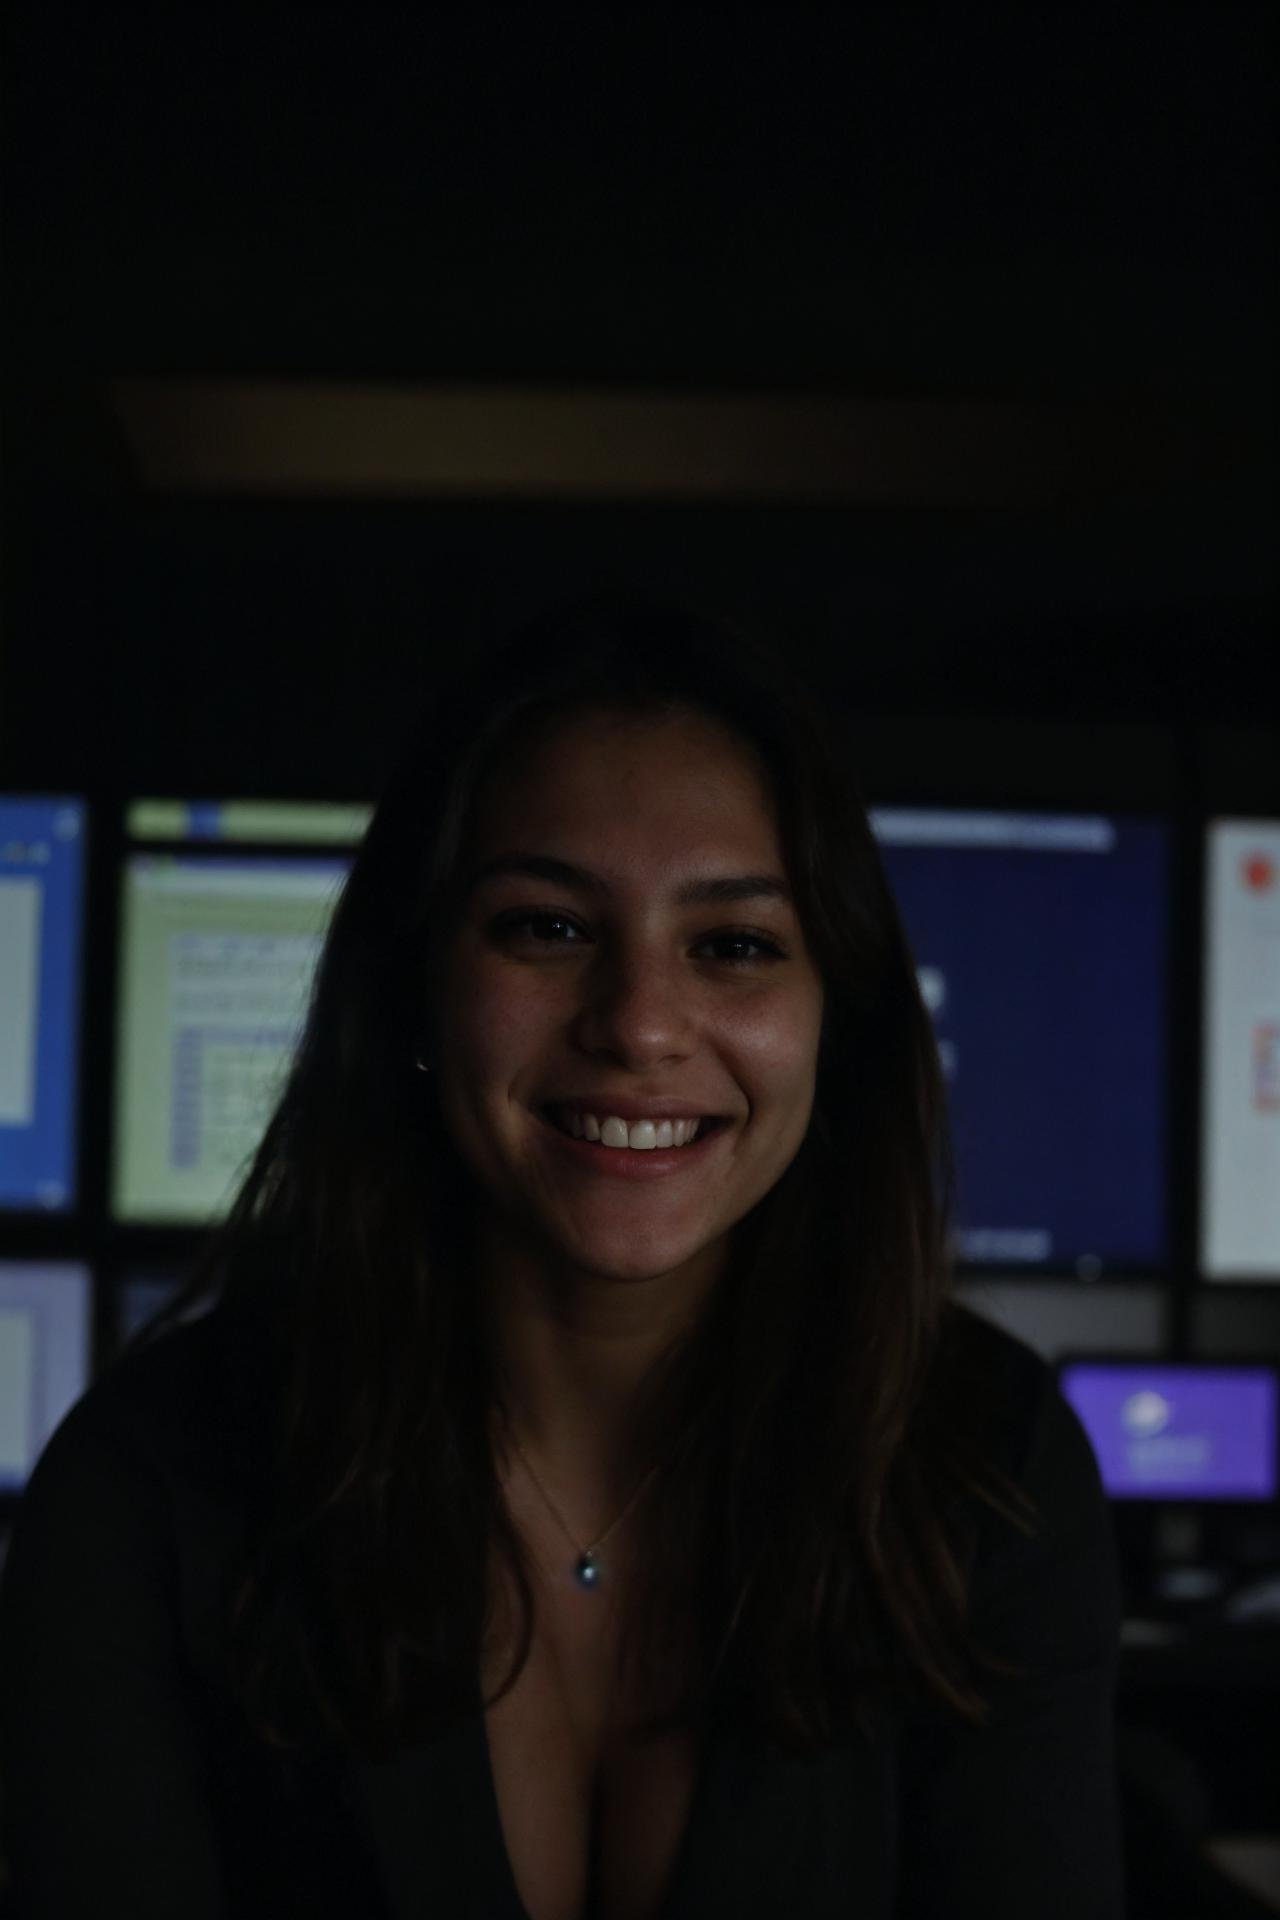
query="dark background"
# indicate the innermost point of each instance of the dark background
(1069, 208)
(1028, 200)
(1013, 206)
(1026, 208)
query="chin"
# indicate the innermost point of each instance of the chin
(630, 1263)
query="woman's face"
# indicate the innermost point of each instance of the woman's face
(612, 989)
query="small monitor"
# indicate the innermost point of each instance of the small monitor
(45, 1344)
(1240, 1114)
(1040, 942)
(42, 875)
(222, 923)
(1184, 1431)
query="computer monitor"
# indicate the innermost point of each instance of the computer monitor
(45, 1340)
(222, 922)
(1041, 947)
(42, 875)
(1186, 1431)
(1240, 1077)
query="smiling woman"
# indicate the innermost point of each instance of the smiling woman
(559, 1513)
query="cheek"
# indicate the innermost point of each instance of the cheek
(495, 1018)
(780, 1048)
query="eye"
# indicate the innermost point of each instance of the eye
(768, 948)
(521, 925)
(518, 922)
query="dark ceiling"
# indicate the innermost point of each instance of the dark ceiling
(1050, 201)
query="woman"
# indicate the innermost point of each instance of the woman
(556, 1514)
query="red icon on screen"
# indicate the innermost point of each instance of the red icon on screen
(1259, 872)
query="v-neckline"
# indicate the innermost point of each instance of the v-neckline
(497, 1840)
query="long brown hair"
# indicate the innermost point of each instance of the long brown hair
(820, 1427)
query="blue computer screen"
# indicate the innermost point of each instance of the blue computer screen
(1040, 941)
(45, 1341)
(42, 844)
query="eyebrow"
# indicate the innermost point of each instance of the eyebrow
(713, 891)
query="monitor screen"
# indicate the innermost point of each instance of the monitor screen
(42, 874)
(1240, 1113)
(1040, 943)
(1165, 1430)
(218, 950)
(44, 1358)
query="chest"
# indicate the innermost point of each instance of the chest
(593, 1816)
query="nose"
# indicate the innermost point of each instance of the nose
(637, 1007)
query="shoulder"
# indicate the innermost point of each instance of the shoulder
(978, 1346)
(179, 1405)
(1065, 1569)
(165, 1446)
(997, 1384)
(137, 1508)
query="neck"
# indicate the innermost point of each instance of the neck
(579, 1366)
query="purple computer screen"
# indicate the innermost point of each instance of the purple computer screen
(1179, 1432)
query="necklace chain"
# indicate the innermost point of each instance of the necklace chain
(587, 1569)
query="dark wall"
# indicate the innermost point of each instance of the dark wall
(1063, 205)
(189, 641)
(987, 200)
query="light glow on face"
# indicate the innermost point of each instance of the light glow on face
(629, 929)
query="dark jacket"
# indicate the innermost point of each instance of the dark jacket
(131, 1788)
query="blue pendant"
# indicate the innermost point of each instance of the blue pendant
(586, 1571)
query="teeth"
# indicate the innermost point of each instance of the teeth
(642, 1135)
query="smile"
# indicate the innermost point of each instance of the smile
(638, 1136)
(630, 1162)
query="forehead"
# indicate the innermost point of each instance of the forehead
(626, 778)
